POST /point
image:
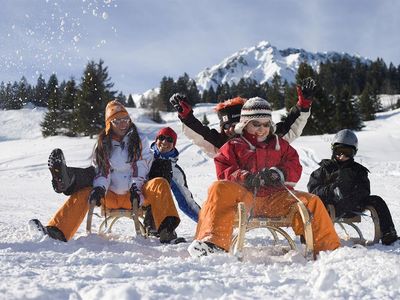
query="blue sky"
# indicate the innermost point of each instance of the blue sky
(142, 41)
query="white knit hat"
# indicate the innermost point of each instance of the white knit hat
(253, 109)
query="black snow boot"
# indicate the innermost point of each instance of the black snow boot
(167, 231)
(389, 237)
(61, 179)
(167, 236)
(51, 231)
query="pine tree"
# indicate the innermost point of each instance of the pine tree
(209, 96)
(14, 100)
(274, 94)
(223, 92)
(69, 96)
(2, 95)
(290, 95)
(346, 111)
(304, 71)
(193, 92)
(182, 84)
(95, 93)
(52, 123)
(121, 98)
(8, 96)
(130, 102)
(24, 90)
(376, 74)
(167, 89)
(40, 92)
(369, 103)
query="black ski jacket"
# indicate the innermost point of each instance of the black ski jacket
(351, 179)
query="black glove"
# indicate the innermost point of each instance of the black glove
(96, 195)
(135, 194)
(344, 182)
(175, 99)
(272, 177)
(308, 88)
(252, 181)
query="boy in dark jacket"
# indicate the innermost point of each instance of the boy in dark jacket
(344, 183)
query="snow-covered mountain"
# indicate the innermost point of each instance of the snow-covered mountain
(261, 62)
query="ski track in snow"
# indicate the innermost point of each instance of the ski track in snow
(120, 266)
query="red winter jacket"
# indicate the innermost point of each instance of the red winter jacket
(244, 155)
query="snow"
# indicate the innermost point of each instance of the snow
(262, 62)
(121, 266)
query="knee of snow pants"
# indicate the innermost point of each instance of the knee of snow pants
(157, 193)
(218, 212)
(324, 234)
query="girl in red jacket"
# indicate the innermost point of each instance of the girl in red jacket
(257, 160)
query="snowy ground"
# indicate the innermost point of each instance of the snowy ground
(124, 267)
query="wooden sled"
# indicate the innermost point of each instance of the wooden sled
(275, 226)
(355, 221)
(111, 216)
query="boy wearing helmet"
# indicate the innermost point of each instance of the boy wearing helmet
(344, 183)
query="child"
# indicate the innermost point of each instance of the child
(122, 158)
(210, 140)
(344, 183)
(69, 179)
(257, 160)
(165, 151)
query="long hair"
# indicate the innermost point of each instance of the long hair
(102, 149)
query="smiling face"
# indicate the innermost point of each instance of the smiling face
(120, 126)
(164, 143)
(260, 128)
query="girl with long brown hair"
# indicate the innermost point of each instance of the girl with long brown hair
(122, 160)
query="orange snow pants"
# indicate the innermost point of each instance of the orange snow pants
(156, 192)
(218, 213)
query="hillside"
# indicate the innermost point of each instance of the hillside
(124, 267)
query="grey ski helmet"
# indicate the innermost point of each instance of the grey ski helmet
(345, 137)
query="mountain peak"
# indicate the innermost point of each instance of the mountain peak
(261, 62)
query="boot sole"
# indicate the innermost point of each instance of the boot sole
(57, 166)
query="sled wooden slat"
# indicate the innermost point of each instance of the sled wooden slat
(113, 215)
(353, 221)
(274, 225)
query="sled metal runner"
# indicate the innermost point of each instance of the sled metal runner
(357, 219)
(111, 216)
(275, 226)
